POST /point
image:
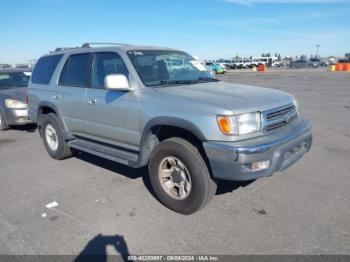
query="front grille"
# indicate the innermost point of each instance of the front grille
(275, 126)
(278, 117)
(280, 112)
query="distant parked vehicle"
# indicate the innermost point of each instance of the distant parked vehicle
(241, 63)
(5, 66)
(13, 101)
(22, 66)
(316, 62)
(344, 61)
(218, 69)
(300, 64)
(270, 61)
(225, 63)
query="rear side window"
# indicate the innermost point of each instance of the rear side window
(76, 71)
(45, 68)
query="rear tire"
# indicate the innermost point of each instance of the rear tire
(180, 177)
(53, 138)
(3, 125)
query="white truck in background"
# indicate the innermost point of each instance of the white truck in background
(270, 61)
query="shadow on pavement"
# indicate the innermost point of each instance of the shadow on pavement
(119, 169)
(30, 128)
(96, 249)
(225, 186)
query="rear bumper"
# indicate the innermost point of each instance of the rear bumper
(228, 160)
(17, 116)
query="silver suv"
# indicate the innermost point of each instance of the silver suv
(159, 107)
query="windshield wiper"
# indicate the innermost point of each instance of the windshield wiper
(207, 79)
(185, 82)
(172, 82)
(176, 82)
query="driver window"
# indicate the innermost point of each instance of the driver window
(106, 64)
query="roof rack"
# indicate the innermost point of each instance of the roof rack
(64, 48)
(87, 45)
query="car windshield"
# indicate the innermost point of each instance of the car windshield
(158, 68)
(13, 80)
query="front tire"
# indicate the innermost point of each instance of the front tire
(180, 177)
(53, 138)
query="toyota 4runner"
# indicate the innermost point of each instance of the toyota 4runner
(159, 107)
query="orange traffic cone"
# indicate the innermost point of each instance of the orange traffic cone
(346, 67)
(339, 67)
(262, 68)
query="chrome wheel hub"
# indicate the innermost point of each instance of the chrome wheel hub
(51, 137)
(175, 178)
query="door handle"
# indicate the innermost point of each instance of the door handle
(92, 101)
(56, 97)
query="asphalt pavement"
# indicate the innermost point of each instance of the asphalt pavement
(102, 205)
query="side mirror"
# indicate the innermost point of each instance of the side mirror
(117, 82)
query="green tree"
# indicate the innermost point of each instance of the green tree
(347, 55)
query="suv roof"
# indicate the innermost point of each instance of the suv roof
(108, 47)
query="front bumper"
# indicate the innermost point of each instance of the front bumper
(17, 116)
(282, 148)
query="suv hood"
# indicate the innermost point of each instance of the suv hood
(234, 97)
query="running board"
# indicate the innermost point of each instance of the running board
(105, 151)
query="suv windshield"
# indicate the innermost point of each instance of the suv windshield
(164, 67)
(13, 80)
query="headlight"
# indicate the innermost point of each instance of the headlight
(14, 104)
(240, 124)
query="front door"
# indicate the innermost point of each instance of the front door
(113, 116)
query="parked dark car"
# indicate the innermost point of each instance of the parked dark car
(300, 64)
(344, 61)
(5, 66)
(13, 101)
(316, 62)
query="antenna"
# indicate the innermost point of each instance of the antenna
(87, 45)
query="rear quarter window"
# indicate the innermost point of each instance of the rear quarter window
(45, 68)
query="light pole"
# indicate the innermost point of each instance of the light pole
(317, 50)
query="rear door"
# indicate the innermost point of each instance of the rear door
(113, 115)
(70, 93)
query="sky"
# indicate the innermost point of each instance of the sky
(207, 29)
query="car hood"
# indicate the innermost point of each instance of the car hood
(233, 97)
(14, 93)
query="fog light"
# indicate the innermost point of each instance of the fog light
(260, 165)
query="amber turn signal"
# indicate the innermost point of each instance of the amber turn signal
(224, 123)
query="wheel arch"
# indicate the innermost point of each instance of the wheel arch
(161, 128)
(47, 108)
